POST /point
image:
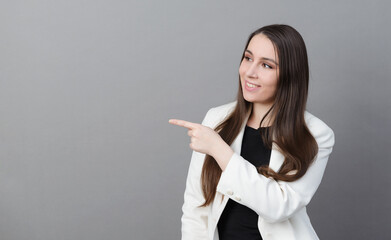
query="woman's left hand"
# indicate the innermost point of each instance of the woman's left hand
(203, 139)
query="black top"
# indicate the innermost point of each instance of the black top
(238, 221)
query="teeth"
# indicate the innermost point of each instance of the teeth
(251, 85)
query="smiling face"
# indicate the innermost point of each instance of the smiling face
(260, 67)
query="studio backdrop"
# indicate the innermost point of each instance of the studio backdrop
(87, 88)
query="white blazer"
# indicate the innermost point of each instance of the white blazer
(281, 206)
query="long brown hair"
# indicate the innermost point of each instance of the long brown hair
(288, 130)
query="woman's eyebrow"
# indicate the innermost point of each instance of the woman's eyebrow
(263, 58)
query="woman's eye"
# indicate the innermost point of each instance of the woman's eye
(266, 65)
(247, 58)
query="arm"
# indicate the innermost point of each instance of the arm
(276, 201)
(194, 218)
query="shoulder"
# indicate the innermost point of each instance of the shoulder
(322, 133)
(217, 114)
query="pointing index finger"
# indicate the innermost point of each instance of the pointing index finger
(182, 123)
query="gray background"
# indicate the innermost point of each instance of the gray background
(87, 88)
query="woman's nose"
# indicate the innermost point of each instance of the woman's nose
(251, 71)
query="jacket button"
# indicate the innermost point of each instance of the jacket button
(229, 192)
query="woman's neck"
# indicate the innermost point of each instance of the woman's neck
(257, 112)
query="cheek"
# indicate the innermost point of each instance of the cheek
(270, 85)
(270, 80)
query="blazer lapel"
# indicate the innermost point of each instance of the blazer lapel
(237, 143)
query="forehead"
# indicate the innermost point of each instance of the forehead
(262, 47)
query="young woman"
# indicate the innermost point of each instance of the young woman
(258, 161)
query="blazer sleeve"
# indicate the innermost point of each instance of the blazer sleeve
(194, 218)
(276, 201)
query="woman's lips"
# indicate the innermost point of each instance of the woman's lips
(248, 88)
